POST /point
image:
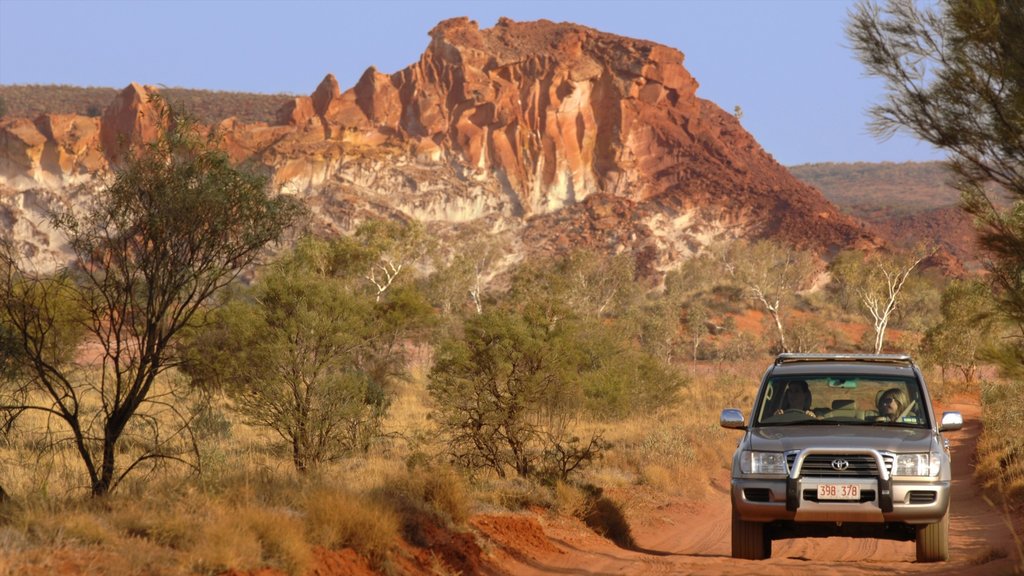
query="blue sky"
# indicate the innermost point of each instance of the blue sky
(785, 62)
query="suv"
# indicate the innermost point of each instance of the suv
(841, 445)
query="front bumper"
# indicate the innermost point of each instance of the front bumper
(913, 502)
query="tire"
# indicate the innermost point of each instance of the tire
(750, 540)
(933, 541)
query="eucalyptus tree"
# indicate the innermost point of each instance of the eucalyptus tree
(770, 274)
(177, 223)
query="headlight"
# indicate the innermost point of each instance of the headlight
(763, 463)
(916, 465)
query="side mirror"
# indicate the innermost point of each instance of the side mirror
(732, 418)
(950, 421)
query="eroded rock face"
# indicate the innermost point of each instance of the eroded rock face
(582, 137)
(131, 119)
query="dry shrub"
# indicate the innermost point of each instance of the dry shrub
(569, 500)
(71, 527)
(167, 525)
(440, 492)
(282, 537)
(1000, 459)
(338, 519)
(252, 537)
(225, 543)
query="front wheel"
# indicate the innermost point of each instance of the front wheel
(933, 541)
(750, 540)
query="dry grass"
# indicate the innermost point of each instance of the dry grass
(569, 500)
(249, 509)
(336, 519)
(439, 492)
(1000, 459)
(678, 449)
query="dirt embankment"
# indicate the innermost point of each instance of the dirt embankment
(694, 538)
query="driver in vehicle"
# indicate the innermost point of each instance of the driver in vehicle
(797, 398)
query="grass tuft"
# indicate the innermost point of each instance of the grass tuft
(338, 519)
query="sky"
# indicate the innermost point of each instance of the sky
(786, 63)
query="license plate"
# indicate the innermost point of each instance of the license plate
(838, 492)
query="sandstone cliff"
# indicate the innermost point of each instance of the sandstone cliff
(564, 135)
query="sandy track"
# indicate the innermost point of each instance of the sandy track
(686, 538)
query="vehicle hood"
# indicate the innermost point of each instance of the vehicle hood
(785, 438)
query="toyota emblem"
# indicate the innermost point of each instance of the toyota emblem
(840, 465)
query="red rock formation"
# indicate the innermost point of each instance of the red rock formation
(21, 148)
(556, 123)
(297, 112)
(73, 144)
(559, 112)
(131, 119)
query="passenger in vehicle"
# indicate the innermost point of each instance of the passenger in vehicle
(798, 398)
(891, 404)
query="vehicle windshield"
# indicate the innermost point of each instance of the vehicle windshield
(841, 399)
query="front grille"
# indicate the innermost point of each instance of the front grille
(922, 497)
(865, 496)
(860, 465)
(757, 494)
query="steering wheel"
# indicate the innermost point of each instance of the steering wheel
(795, 411)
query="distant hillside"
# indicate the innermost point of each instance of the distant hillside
(880, 191)
(908, 203)
(30, 101)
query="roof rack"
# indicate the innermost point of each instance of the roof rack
(881, 358)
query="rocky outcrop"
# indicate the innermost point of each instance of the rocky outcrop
(571, 135)
(131, 119)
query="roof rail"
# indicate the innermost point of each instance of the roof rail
(883, 358)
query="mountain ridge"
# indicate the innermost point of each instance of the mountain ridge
(522, 124)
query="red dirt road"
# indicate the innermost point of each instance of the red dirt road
(686, 538)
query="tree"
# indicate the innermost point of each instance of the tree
(954, 77)
(502, 401)
(380, 250)
(582, 284)
(846, 264)
(461, 277)
(697, 316)
(965, 331)
(770, 274)
(878, 280)
(306, 355)
(285, 352)
(177, 224)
